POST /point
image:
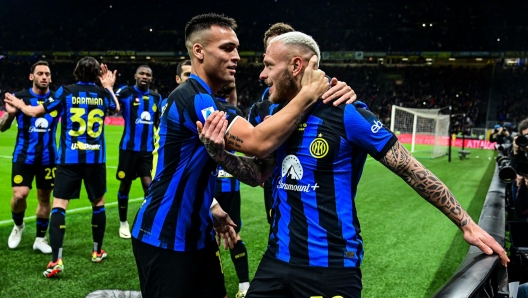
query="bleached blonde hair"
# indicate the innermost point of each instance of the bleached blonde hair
(298, 39)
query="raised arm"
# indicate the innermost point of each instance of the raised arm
(427, 185)
(31, 111)
(263, 139)
(249, 170)
(107, 79)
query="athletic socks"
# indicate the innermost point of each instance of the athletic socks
(57, 228)
(18, 218)
(240, 260)
(122, 202)
(42, 227)
(98, 226)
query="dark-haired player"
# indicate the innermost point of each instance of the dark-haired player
(140, 109)
(82, 152)
(33, 157)
(183, 71)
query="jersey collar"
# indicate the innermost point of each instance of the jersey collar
(39, 95)
(193, 76)
(141, 92)
(86, 83)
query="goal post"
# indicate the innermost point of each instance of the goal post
(425, 130)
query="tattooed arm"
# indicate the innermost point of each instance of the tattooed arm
(427, 185)
(249, 170)
(7, 118)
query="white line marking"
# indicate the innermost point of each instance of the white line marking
(5, 156)
(68, 211)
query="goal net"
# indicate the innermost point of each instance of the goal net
(425, 130)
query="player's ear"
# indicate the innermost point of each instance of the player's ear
(297, 65)
(31, 77)
(178, 79)
(198, 51)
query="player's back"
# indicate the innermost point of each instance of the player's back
(84, 107)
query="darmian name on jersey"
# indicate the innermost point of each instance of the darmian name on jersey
(83, 146)
(94, 101)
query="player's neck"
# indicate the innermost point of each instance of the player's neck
(39, 91)
(213, 84)
(142, 88)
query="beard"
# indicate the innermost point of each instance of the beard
(39, 86)
(285, 89)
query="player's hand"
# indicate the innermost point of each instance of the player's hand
(341, 91)
(475, 235)
(13, 101)
(313, 80)
(212, 135)
(107, 77)
(9, 108)
(224, 227)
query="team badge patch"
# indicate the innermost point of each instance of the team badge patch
(121, 174)
(319, 147)
(18, 179)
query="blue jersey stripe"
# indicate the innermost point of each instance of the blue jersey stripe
(176, 213)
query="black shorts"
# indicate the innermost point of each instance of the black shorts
(22, 175)
(278, 279)
(230, 202)
(133, 164)
(168, 273)
(69, 178)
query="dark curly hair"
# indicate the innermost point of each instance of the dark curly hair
(87, 70)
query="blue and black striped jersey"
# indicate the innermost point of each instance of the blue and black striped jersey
(82, 107)
(35, 143)
(140, 111)
(260, 111)
(226, 182)
(175, 214)
(318, 170)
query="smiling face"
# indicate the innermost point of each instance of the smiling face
(217, 54)
(143, 77)
(278, 73)
(41, 77)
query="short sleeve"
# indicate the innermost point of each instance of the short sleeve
(55, 102)
(365, 130)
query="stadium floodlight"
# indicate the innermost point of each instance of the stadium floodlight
(427, 130)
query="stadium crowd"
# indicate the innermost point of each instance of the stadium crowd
(466, 89)
(341, 25)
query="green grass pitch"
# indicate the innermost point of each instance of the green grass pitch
(411, 248)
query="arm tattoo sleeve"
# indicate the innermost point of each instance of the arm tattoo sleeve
(425, 183)
(5, 122)
(249, 170)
